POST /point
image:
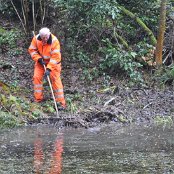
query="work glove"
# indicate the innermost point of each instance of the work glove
(41, 61)
(47, 73)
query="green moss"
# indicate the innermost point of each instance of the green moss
(2, 30)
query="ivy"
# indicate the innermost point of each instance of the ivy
(125, 60)
(8, 42)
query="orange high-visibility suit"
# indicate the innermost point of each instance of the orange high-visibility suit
(52, 58)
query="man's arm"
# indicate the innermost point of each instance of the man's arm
(55, 54)
(33, 50)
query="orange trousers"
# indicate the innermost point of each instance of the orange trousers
(55, 80)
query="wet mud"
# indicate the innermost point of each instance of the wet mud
(126, 106)
(91, 103)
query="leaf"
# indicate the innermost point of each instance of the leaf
(133, 54)
(51, 109)
(12, 98)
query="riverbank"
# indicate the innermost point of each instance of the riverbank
(91, 101)
(124, 105)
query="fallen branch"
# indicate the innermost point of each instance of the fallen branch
(109, 101)
(147, 105)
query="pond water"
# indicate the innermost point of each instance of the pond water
(141, 149)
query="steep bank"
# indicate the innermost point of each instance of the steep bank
(90, 103)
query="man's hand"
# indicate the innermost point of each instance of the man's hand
(41, 61)
(47, 73)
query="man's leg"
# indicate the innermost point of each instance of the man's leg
(37, 81)
(57, 86)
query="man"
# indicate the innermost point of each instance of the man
(45, 50)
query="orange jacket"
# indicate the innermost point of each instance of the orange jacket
(49, 52)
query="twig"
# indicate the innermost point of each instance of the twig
(147, 105)
(109, 101)
(168, 55)
(5, 108)
(34, 21)
(134, 89)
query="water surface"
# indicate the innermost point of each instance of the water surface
(102, 150)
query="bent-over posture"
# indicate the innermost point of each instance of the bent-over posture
(45, 50)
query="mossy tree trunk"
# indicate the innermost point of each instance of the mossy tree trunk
(160, 39)
(141, 24)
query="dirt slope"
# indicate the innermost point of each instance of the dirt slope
(91, 103)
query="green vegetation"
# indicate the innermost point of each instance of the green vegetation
(8, 42)
(163, 121)
(16, 108)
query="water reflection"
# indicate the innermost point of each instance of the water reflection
(107, 150)
(38, 155)
(55, 159)
(56, 162)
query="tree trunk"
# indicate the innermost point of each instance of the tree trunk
(160, 39)
(141, 23)
(25, 10)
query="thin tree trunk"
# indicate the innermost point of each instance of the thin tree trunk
(162, 27)
(23, 25)
(34, 19)
(24, 6)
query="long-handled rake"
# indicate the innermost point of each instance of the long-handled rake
(49, 81)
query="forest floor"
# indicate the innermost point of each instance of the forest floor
(91, 103)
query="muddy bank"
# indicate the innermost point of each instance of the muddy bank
(91, 103)
(121, 105)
